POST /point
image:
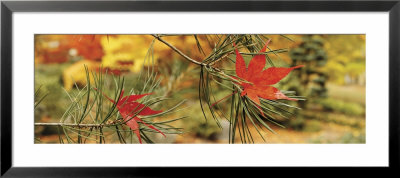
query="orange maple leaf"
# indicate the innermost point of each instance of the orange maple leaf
(259, 80)
(88, 46)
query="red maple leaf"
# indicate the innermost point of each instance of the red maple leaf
(130, 110)
(259, 80)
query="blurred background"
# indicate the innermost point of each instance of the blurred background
(333, 84)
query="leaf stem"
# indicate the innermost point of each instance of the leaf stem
(223, 98)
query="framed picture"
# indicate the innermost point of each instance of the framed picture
(104, 88)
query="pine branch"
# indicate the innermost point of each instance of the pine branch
(217, 60)
(219, 71)
(178, 51)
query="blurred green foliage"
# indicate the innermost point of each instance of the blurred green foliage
(297, 124)
(313, 126)
(310, 79)
(339, 119)
(347, 137)
(48, 79)
(334, 105)
(305, 125)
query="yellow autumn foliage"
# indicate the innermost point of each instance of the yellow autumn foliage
(346, 57)
(123, 49)
(134, 48)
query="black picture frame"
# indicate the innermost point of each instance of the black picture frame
(9, 7)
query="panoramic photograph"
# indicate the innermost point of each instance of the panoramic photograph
(199, 89)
